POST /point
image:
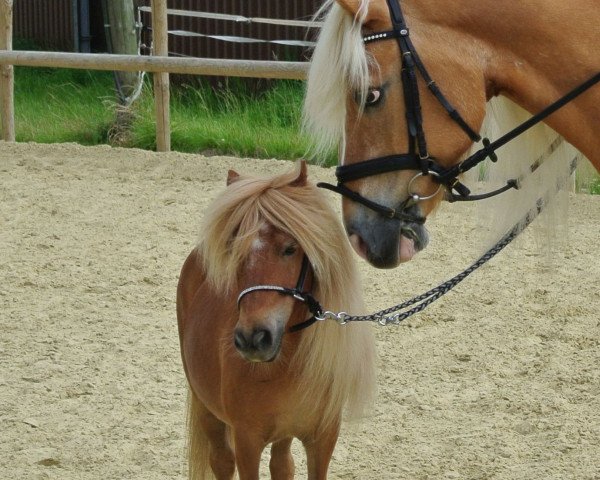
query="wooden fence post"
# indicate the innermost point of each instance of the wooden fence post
(160, 36)
(7, 82)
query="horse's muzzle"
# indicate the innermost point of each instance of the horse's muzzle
(385, 243)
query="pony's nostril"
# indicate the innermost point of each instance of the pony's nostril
(259, 340)
(240, 341)
(262, 340)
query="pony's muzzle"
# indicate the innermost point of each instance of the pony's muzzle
(256, 345)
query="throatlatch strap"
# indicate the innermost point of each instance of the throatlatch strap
(401, 32)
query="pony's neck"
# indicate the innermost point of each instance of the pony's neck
(533, 52)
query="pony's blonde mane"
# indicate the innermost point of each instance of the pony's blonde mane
(338, 358)
(339, 64)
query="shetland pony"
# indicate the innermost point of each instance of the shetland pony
(529, 52)
(252, 381)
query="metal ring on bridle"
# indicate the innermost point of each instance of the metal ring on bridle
(418, 198)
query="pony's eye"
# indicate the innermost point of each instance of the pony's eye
(289, 251)
(373, 97)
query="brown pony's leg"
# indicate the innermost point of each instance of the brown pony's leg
(282, 462)
(221, 457)
(319, 451)
(248, 449)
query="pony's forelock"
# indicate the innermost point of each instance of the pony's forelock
(340, 64)
(234, 221)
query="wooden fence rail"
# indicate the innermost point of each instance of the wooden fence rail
(135, 63)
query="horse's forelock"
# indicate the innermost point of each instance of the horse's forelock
(339, 64)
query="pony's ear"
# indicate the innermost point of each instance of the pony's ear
(301, 179)
(232, 176)
(377, 11)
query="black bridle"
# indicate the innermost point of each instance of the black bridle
(297, 292)
(417, 158)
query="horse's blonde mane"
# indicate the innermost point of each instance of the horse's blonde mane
(515, 158)
(338, 357)
(339, 64)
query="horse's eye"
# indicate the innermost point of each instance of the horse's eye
(373, 97)
(289, 251)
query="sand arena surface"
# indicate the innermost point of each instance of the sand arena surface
(498, 380)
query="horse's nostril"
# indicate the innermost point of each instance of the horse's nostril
(262, 340)
(359, 245)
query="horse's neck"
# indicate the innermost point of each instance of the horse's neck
(536, 51)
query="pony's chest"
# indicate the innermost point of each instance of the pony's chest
(270, 404)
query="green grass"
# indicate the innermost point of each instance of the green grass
(231, 121)
(594, 187)
(54, 105)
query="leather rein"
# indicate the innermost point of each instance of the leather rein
(417, 158)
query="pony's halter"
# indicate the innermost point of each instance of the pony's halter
(418, 157)
(298, 293)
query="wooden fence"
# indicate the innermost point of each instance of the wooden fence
(159, 63)
(238, 29)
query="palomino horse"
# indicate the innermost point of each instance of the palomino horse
(255, 379)
(368, 95)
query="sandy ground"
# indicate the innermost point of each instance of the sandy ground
(498, 380)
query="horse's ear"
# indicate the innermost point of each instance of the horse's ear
(351, 6)
(302, 177)
(377, 10)
(232, 176)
